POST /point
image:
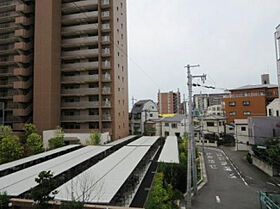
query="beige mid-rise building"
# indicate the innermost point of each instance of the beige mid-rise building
(69, 69)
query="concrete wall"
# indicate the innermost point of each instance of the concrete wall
(241, 135)
(268, 169)
(273, 109)
(206, 143)
(81, 137)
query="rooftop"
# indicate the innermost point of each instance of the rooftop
(176, 118)
(138, 106)
(258, 86)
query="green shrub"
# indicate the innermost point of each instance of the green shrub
(4, 200)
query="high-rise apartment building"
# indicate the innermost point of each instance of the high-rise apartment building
(169, 102)
(68, 69)
(277, 47)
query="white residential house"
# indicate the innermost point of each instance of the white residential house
(215, 110)
(273, 109)
(241, 134)
(142, 111)
(172, 126)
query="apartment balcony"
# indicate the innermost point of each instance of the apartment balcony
(80, 79)
(79, 29)
(106, 78)
(79, 105)
(22, 71)
(106, 117)
(106, 52)
(106, 90)
(7, 6)
(8, 17)
(7, 39)
(23, 33)
(79, 18)
(22, 84)
(106, 27)
(6, 84)
(18, 126)
(6, 95)
(9, 28)
(23, 98)
(79, 54)
(6, 72)
(7, 51)
(25, 46)
(81, 66)
(80, 6)
(22, 20)
(105, 15)
(105, 3)
(22, 111)
(22, 58)
(84, 41)
(105, 39)
(23, 8)
(106, 65)
(80, 92)
(106, 104)
(79, 118)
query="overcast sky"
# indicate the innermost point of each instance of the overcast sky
(232, 40)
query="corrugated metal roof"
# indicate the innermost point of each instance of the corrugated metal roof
(19, 182)
(119, 141)
(170, 153)
(35, 157)
(144, 141)
(101, 182)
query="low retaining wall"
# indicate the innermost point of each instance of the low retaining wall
(27, 204)
(265, 167)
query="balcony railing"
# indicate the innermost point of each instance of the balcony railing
(80, 91)
(79, 104)
(80, 78)
(106, 104)
(80, 118)
(80, 66)
(106, 90)
(78, 54)
(79, 5)
(79, 41)
(79, 29)
(79, 17)
(106, 77)
(106, 117)
(251, 94)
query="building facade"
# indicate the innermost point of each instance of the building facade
(69, 69)
(241, 134)
(142, 112)
(250, 100)
(273, 109)
(277, 49)
(169, 103)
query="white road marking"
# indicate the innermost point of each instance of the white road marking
(213, 166)
(232, 176)
(208, 153)
(224, 163)
(218, 200)
(238, 173)
(211, 161)
(271, 184)
(227, 168)
(278, 185)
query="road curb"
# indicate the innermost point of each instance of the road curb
(204, 178)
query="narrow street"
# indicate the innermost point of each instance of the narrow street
(226, 187)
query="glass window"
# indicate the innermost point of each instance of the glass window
(246, 103)
(232, 113)
(243, 128)
(232, 104)
(247, 113)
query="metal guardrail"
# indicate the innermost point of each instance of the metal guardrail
(266, 202)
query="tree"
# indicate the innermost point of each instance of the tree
(34, 144)
(58, 140)
(28, 129)
(42, 193)
(4, 200)
(94, 138)
(10, 149)
(5, 131)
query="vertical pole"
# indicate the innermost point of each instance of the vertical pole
(277, 51)
(185, 114)
(201, 123)
(189, 192)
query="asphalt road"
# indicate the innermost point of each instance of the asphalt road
(227, 188)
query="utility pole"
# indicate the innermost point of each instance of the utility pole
(185, 114)
(201, 123)
(191, 142)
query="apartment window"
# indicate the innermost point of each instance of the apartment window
(246, 103)
(232, 113)
(166, 124)
(243, 128)
(277, 113)
(151, 115)
(210, 124)
(246, 113)
(174, 125)
(232, 104)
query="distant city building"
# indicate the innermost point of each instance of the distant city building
(203, 101)
(250, 100)
(216, 110)
(60, 65)
(277, 47)
(142, 112)
(263, 128)
(169, 103)
(172, 126)
(273, 109)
